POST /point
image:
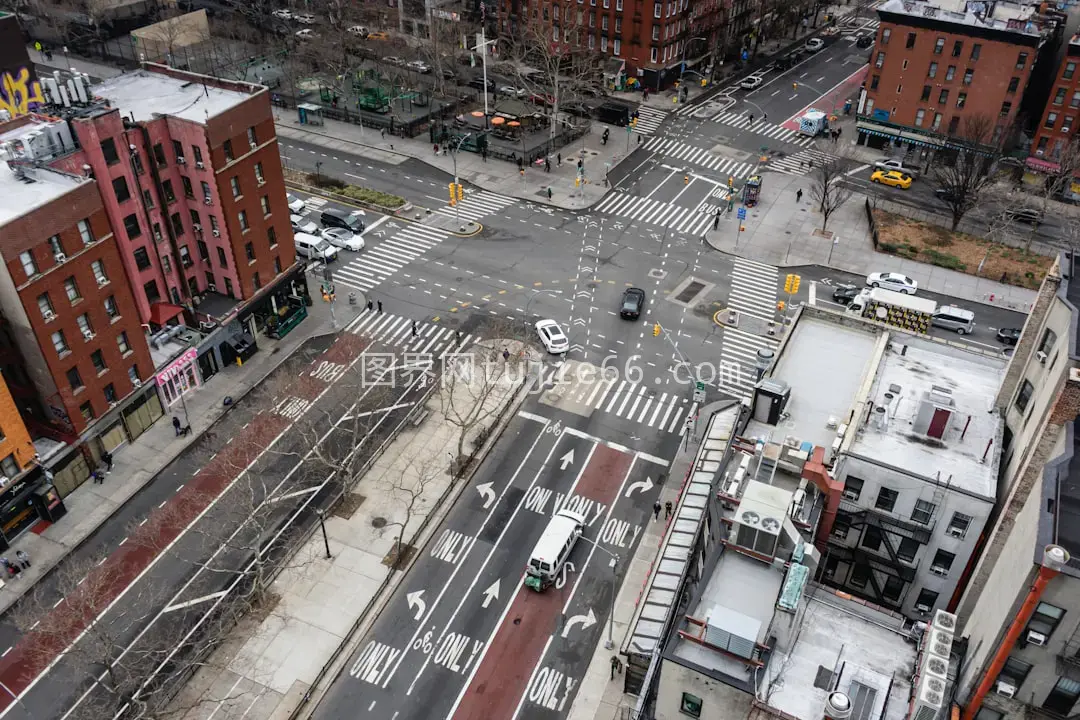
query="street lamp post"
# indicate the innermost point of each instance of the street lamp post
(318, 173)
(682, 63)
(325, 539)
(453, 156)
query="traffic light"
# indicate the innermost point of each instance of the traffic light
(791, 284)
(453, 195)
(656, 330)
(731, 181)
(795, 86)
(685, 179)
(781, 305)
(633, 122)
(460, 192)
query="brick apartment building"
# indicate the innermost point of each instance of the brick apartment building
(1058, 122)
(934, 66)
(16, 448)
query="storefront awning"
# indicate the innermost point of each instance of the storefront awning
(1041, 165)
(161, 313)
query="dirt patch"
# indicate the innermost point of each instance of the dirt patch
(399, 556)
(923, 242)
(349, 504)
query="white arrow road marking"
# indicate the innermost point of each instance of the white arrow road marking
(585, 621)
(416, 600)
(492, 593)
(641, 485)
(566, 460)
(487, 493)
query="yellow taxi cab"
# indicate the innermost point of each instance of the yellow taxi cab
(892, 178)
(378, 35)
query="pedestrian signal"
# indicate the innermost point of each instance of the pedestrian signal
(656, 330)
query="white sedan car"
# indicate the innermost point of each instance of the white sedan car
(344, 239)
(304, 18)
(552, 337)
(751, 83)
(282, 14)
(299, 224)
(296, 204)
(892, 281)
(306, 34)
(419, 66)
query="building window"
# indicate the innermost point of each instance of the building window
(98, 359)
(265, 202)
(943, 97)
(234, 183)
(1059, 96)
(251, 136)
(120, 189)
(167, 191)
(942, 562)
(110, 394)
(655, 32)
(1006, 108)
(229, 288)
(1070, 70)
(259, 178)
(142, 258)
(1014, 84)
(194, 215)
(937, 121)
(159, 155)
(1021, 61)
(923, 512)
(886, 33)
(969, 74)
(874, 80)
(150, 289)
(860, 573)
(72, 290)
(618, 25)
(255, 281)
(185, 256)
(148, 199)
(1023, 396)
(207, 196)
(957, 48)
(657, 9)
(939, 45)
(919, 116)
(961, 98)
(242, 217)
(85, 233)
(87, 411)
(925, 93)
(950, 72)
(132, 227)
(249, 250)
(893, 587)
(196, 152)
(603, 24)
(616, 47)
(1066, 124)
(907, 549)
(110, 307)
(108, 151)
(927, 598)
(910, 40)
(204, 251)
(277, 265)
(177, 224)
(222, 261)
(690, 705)
(271, 237)
(1015, 672)
(853, 488)
(931, 72)
(959, 525)
(133, 374)
(618, 5)
(8, 466)
(185, 182)
(99, 272)
(213, 223)
(45, 306)
(122, 343)
(1048, 339)
(29, 266)
(886, 499)
(59, 343)
(976, 51)
(1062, 698)
(1045, 619)
(178, 151)
(880, 60)
(227, 148)
(871, 538)
(652, 54)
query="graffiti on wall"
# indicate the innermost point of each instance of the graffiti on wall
(18, 94)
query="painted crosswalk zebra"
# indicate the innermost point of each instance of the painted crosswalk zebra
(753, 289)
(698, 156)
(738, 361)
(741, 120)
(800, 163)
(478, 205)
(383, 258)
(431, 339)
(649, 120)
(674, 217)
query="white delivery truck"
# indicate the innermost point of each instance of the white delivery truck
(906, 312)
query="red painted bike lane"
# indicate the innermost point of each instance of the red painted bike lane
(519, 642)
(62, 625)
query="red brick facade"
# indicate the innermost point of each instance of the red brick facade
(1058, 123)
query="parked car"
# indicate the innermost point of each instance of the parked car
(306, 34)
(378, 35)
(358, 30)
(893, 281)
(552, 337)
(1009, 336)
(864, 41)
(304, 18)
(633, 302)
(478, 83)
(300, 225)
(282, 14)
(296, 204)
(342, 238)
(349, 220)
(511, 91)
(891, 164)
(1030, 216)
(393, 60)
(751, 83)
(892, 178)
(449, 74)
(814, 44)
(844, 294)
(419, 66)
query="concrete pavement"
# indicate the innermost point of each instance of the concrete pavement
(136, 464)
(783, 232)
(277, 665)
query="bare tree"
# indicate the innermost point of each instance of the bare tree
(827, 184)
(975, 153)
(410, 488)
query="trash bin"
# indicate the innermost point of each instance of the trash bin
(847, 107)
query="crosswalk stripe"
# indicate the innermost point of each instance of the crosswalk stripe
(615, 396)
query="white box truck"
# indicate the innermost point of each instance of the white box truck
(906, 312)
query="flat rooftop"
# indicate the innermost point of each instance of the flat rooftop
(37, 188)
(836, 633)
(916, 366)
(995, 15)
(148, 94)
(824, 382)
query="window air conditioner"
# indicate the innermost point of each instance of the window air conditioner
(1036, 638)
(1041, 357)
(217, 233)
(49, 315)
(920, 608)
(87, 335)
(939, 570)
(252, 145)
(200, 165)
(181, 160)
(102, 282)
(956, 532)
(208, 201)
(197, 227)
(137, 382)
(1004, 688)
(211, 287)
(851, 495)
(60, 257)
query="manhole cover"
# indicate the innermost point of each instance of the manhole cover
(657, 274)
(690, 291)
(378, 522)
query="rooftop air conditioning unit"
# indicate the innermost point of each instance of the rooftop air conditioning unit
(200, 165)
(1004, 688)
(1040, 356)
(1036, 638)
(60, 257)
(944, 620)
(929, 698)
(217, 233)
(49, 315)
(181, 160)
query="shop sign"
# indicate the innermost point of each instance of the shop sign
(178, 366)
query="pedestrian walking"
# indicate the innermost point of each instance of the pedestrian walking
(522, 173)
(414, 328)
(370, 305)
(10, 567)
(176, 425)
(656, 510)
(458, 336)
(382, 133)
(558, 158)
(547, 164)
(667, 510)
(106, 457)
(436, 149)
(98, 477)
(838, 131)
(716, 219)
(23, 557)
(798, 195)
(764, 117)
(380, 307)
(616, 666)
(549, 192)
(506, 354)
(751, 118)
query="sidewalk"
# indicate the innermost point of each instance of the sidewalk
(492, 175)
(781, 232)
(321, 609)
(136, 464)
(96, 70)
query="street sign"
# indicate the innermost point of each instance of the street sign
(742, 213)
(699, 386)
(699, 396)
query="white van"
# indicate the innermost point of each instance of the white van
(951, 317)
(314, 248)
(553, 549)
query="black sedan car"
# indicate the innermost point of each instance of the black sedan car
(844, 294)
(633, 302)
(1008, 336)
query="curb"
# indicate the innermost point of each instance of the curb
(311, 699)
(150, 480)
